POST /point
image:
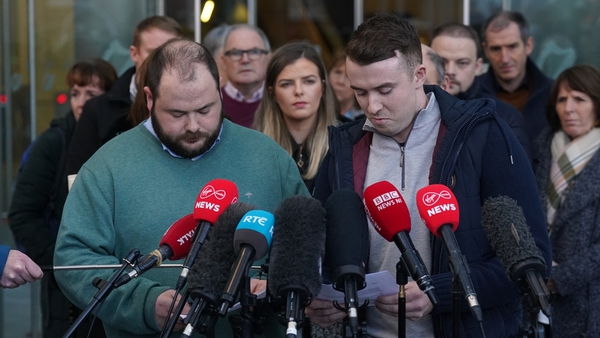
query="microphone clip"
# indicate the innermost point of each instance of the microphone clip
(294, 298)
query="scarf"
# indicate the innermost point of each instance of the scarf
(569, 157)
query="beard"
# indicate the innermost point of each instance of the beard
(176, 143)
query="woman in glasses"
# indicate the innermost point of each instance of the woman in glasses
(298, 106)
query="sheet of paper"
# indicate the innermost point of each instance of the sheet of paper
(378, 283)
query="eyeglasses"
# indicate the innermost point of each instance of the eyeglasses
(237, 54)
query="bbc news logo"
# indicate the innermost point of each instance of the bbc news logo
(388, 196)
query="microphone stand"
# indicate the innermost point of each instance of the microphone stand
(530, 328)
(105, 288)
(55, 268)
(203, 314)
(243, 324)
(456, 290)
(352, 279)
(401, 280)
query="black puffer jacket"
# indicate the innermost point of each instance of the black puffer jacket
(32, 191)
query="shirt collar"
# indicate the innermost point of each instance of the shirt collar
(235, 94)
(148, 125)
(132, 88)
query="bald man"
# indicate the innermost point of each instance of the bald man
(435, 72)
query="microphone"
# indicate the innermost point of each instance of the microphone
(295, 260)
(389, 215)
(507, 231)
(210, 270)
(439, 210)
(212, 200)
(347, 248)
(174, 245)
(251, 242)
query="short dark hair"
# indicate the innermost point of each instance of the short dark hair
(502, 19)
(582, 78)
(381, 37)
(164, 23)
(457, 30)
(82, 74)
(179, 55)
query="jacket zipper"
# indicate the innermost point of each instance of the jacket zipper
(402, 151)
(469, 123)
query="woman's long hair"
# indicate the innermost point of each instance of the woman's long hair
(269, 117)
(138, 111)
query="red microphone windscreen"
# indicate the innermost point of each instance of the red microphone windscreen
(179, 236)
(386, 209)
(213, 199)
(437, 206)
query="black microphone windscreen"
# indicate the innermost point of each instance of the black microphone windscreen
(506, 228)
(298, 245)
(212, 265)
(347, 241)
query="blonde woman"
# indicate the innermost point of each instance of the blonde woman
(298, 106)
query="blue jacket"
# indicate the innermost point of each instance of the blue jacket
(4, 250)
(473, 158)
(534, 111)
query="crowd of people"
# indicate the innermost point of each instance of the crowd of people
(280, 124)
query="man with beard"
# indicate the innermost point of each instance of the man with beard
(138, 184)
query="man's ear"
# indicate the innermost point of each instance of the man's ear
(420, 75)
(529, 45)
(446, 83)
(149, 98)
(478, 66)
(134, 54)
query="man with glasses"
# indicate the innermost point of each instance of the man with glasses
(247, 53)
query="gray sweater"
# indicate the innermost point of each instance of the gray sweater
(385, 158)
